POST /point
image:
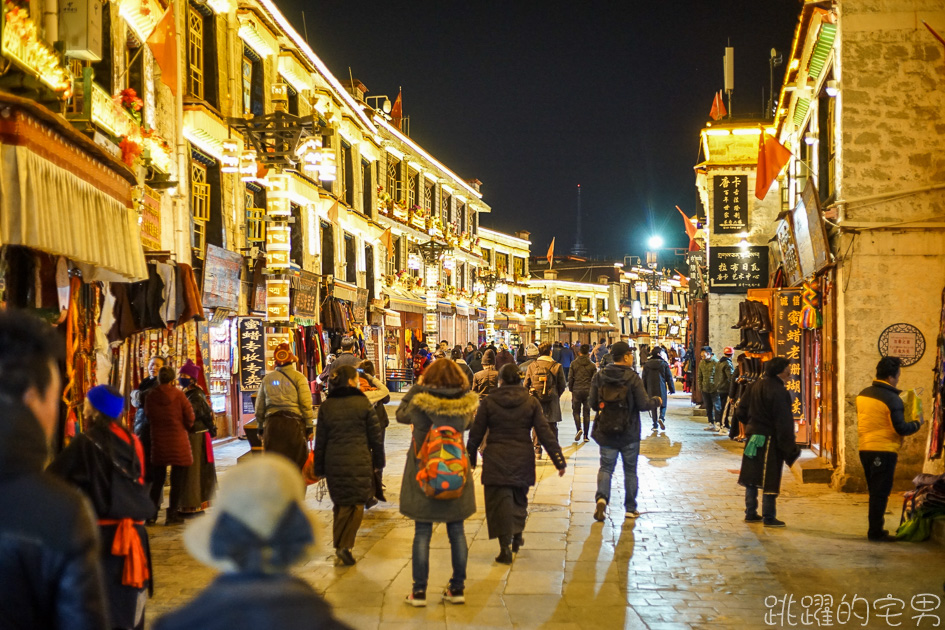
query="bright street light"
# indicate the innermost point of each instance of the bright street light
(655, 242)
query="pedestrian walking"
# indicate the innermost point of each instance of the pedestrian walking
(710, 377)
(556, 351)
(284, 407)
(531, 355)
(728, 375)
(142, 428)
(421, 360)
(347, 356)
(567, 358)
(766, 410)
(440, 410)
(579, 383)
(881, 425)
(456, 354)
(599, 351)
(474, 358)
(544, 379)
(348, 453)
(377, 393)
(486, 379)
(106, 462)
(509, 415)
(201, 481)
(504, 357)
(256, 532)
(658, 380)
(49, 564)
(171, 417)
(619, 394)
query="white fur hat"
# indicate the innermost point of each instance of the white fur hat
(256, 500)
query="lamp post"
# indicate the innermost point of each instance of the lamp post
(489, 279)
(654, 291)
(432, 253)
(278, 141)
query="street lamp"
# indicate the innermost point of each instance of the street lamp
(655, 242)
(432, 253)
(654, 289)
(488, 278)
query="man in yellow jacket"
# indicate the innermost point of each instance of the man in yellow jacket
(881, 425)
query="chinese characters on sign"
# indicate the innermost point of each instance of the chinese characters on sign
(730, 207)
(252, 353)
(904, 341)
(787, 322)
(792, 269)
(221, 278)
(735, 270)
(304, 298)
(822, 610)
(150, 220)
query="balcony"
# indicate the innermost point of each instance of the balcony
(22, 45)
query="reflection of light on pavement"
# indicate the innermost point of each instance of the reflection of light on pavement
(658, 448)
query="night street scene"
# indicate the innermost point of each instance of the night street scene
(464, 315)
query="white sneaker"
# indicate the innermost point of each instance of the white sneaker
(601, 509)
(711, 427)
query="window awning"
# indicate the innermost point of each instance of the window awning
(61, 194)
(404, 302)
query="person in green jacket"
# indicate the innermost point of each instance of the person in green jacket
(710, 377)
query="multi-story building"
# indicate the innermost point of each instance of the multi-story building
(503, 287)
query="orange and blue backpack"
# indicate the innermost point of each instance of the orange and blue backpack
(443, 465)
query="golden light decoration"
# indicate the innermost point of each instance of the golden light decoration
(230, 159)
(23, 45)
(327, 170)
(309, 153)
(248, 165)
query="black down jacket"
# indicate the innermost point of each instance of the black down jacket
(509, 414)
(580, 374)
(657, 378)
(348, 446)
(49, 550)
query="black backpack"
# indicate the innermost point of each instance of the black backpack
(613, 417)
(544, 387)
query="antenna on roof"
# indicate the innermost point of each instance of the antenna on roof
(305, 30)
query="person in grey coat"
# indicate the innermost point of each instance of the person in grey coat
(442, 398)
(658, 379)
(486, 379)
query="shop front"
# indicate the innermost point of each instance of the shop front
(410, 334)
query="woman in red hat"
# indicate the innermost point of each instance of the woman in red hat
(284, 410)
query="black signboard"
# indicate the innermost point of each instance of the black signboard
(735, 270)
(730, 204)
(252, 353)
(305, 296)
(787, 312)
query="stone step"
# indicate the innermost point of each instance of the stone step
(811, 469)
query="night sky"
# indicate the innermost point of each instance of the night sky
(534, 98)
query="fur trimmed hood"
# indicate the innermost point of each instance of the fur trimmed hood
(432, 404)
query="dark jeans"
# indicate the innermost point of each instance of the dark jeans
(178, 479)
(769, 504)
(879, 468)
(712, 406)
(608, 462)
(421, 554)
(660, 413)
(581, 407)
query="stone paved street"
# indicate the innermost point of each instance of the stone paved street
(689, 561)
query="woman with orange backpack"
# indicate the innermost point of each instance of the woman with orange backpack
(437, 483)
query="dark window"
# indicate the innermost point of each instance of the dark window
(328, 249)
(329, 185)
(134, 58)
(461, 211)
(257, 85)
(297, 236)
(348, 178)
(293, 101)
(428, 194)
(367, 186)
(413, 186)
(351, 268)
(215, 224)
(369, 266)
(827, 148)
(103, 69)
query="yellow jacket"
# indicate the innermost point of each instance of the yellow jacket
(881, 424)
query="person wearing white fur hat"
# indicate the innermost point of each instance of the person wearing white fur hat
(256, 531)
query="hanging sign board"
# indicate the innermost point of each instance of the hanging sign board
(305, 296)
(810, 235)
(221, 278)
(735, 270)
(730, 204)
(150, 220)
(789, 262)
(904, 341)
(787, 312)
(252, 357)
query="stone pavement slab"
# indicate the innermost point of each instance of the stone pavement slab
(689, 560)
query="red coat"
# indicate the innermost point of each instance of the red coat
(171, 416)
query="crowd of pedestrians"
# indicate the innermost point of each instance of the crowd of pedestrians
(74, 549)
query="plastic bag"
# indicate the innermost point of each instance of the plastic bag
(913, 406)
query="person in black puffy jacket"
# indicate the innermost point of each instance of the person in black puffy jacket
(348, 450)
(580, 374)
(49, 549)
(509, 414)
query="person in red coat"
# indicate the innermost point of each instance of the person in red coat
(171, 417)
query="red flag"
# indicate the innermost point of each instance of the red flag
(718, 110)
(397, 111)
(772, 156)
(551, 252)
(163, 44)
(690, 231)
(333, 213)
(387, 240)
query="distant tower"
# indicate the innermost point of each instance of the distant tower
(578, 250)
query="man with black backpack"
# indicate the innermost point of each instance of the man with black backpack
(618, 395)
(544, 379)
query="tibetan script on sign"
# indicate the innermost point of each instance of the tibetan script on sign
(252, 353)
(787, 311)
(735, 270)
(730, 204)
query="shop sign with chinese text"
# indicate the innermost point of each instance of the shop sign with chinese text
(904, 341)
(735, 270)
(305, 297)
(787, 313)
(150, 220)
(730, 204)
(252, 353)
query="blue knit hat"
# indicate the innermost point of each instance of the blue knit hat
(106, 400)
